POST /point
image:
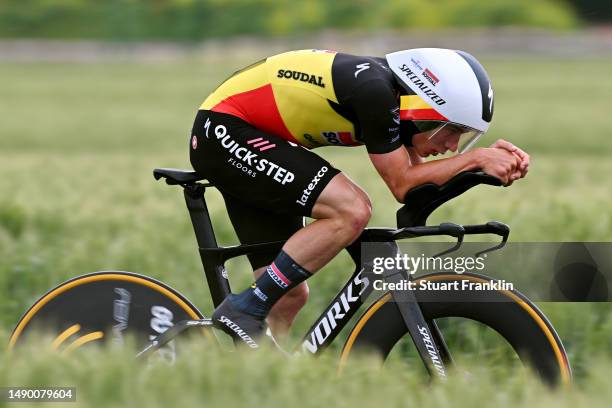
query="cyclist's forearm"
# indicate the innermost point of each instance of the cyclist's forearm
(438, 171)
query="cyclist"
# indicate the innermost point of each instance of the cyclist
(253, 138)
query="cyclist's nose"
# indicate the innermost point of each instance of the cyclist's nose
(451, 145)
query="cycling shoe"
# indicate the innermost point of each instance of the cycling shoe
(243, 327)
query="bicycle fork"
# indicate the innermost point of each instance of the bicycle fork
(425, 335)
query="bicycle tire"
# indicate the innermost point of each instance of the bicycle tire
(513, 316)
(104, 306)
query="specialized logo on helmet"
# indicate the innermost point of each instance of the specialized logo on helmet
(451, 82)
(412, 76)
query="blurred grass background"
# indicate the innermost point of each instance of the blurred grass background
(78, 141)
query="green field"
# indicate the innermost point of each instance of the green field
(77, 146)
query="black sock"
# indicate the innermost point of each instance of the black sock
(278, 278)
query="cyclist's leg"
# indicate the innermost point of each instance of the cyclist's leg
(341, 212)
(268, 172)
(253, 225)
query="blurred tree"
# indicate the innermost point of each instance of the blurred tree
(594, 10)
(198, 19)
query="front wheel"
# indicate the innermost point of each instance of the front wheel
(509, 313)
(106, 307)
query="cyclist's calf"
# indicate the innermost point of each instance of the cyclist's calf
(283, 313)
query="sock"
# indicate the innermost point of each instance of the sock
(278, 278)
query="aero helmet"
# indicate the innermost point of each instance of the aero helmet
(443, 88)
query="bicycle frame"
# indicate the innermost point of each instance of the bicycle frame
(411, 222)
(332, 320)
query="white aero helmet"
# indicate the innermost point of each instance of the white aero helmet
(444, 90)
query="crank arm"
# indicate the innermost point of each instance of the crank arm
(167, 336)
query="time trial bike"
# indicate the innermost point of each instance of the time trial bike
(111, 305)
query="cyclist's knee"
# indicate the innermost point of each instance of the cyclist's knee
(355, 216)
(347, 205)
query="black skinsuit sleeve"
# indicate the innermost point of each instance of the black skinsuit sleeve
(365, 90)
(377, 111)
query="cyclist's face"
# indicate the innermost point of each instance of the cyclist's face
(443, 140)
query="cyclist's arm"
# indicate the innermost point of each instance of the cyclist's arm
(401, 175)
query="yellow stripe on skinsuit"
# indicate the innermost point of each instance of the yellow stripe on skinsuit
(251, 78)
(303, 86)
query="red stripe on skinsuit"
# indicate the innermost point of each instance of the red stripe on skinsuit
(345, 137)
(258, 108)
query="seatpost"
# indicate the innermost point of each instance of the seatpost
(200, 218)
(216, 276)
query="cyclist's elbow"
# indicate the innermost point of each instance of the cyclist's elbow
(399, 186)
(399, 196)
(399, 192)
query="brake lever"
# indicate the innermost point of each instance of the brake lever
(453, 230)
(445, 228)
(491, 227)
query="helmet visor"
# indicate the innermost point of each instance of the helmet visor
(449, 136)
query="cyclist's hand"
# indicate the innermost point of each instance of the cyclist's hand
(521, 154)
(499, 163)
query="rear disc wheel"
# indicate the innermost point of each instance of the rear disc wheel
(104, 307)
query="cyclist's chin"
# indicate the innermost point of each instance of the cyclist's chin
(428, 153)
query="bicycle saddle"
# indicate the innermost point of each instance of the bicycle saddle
(177, 176)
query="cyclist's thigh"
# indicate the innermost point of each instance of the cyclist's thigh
(255, 167)
(341, 194)
(254, 225)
